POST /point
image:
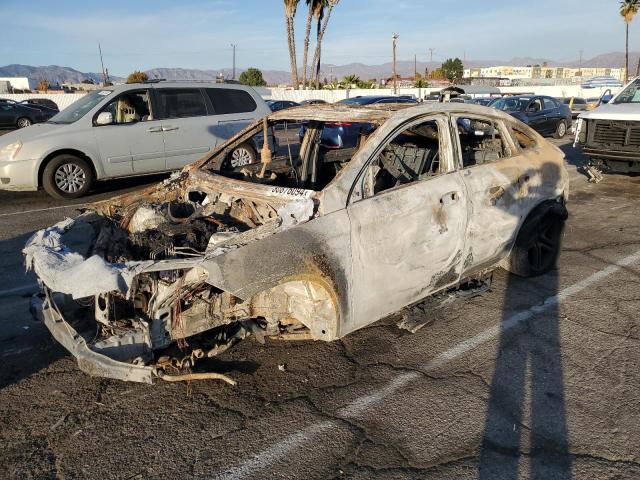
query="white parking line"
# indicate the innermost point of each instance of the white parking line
(284, 447)
(33, 287)
(25, 212)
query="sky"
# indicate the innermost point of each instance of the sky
(143, 34)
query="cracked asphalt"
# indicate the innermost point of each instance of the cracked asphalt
(534, 379)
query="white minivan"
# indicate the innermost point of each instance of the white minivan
(128, 130)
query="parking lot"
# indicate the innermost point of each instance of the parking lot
(535, 378)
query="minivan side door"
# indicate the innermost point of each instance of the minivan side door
(186, 125)
(133, 143)
(234, 109)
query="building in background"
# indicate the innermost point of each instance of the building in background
(544, 72)
(19, 83)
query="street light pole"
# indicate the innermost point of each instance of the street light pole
(233, 46)
(394, 38)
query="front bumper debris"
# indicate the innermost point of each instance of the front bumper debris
(93, 363)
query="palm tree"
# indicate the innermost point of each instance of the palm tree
(628, 10)
(290, 7)
(350, 80)
(321, 31)
(315, 8)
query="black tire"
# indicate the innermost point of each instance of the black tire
(23, 122)
(243, 154)
(67, 176)
(538, 245)
(561, 129)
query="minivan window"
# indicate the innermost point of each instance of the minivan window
(81, 107)
(226, 100)
(180, 102)
(130, 107)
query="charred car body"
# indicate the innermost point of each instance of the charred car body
(306, 243)
(610, 134)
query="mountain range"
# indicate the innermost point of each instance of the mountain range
(57, 75)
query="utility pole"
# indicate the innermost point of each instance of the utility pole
(580, 70)
(431, 50)
(415, 67)
(394, 38)
(233, 46)
(104, 75)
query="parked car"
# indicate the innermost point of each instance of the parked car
(16, 115)
(127, 130)
(373, 99)
(303, 244)
(42, 104)
(313, 102)
(484, 101)
(577, 105)
(544, 114)
(610, 134)
(277, 105)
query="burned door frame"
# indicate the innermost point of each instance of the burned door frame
(426, 222)
(498, 197)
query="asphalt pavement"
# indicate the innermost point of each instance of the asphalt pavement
(534, 379)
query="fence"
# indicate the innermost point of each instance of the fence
(63, 100)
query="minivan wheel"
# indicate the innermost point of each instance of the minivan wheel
(243, 154)
(67, 176)
(23, 122)
(561, 129)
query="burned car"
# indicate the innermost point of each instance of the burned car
(307, 242)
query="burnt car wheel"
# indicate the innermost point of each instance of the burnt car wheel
(67, 176)
(23, 122)
(561, 129)
(243, 154)
(538, 246)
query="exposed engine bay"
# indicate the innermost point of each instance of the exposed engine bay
(135, 289)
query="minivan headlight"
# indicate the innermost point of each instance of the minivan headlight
(10, 151)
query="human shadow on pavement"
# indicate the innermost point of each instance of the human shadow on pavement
(528, 375)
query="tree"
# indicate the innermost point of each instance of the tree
(290, 7)
(349, 80)
(315, 9)
(453, 69)
(252, 77)
(137, 77)
(316, 56)
(628, 10)
(420, 83)
(43, 85)
(365, 83)
(87, 81)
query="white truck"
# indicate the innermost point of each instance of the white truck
(610, 134)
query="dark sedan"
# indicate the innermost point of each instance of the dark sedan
(277, 105)
(544, 114)
(13, 114)
(374, 99)
(42, 104)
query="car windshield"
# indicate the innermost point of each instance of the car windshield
(511, 104)
(79, 108)
(631, 94)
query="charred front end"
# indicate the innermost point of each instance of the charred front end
(127, 286)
